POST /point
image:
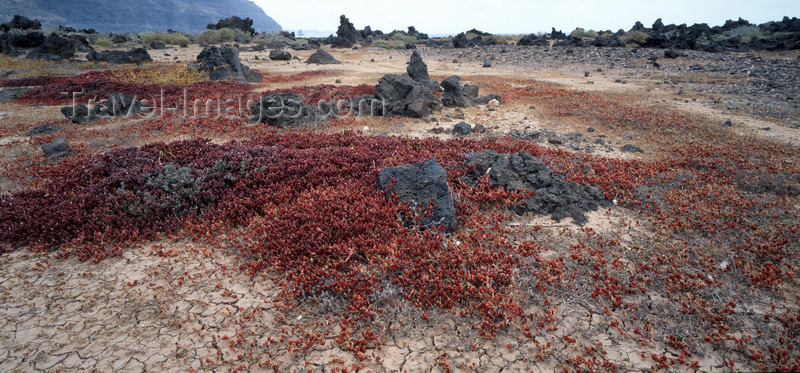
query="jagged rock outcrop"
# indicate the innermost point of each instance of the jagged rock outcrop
(223, 63)
(135, 55)
(407, 94)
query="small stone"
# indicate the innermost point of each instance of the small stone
(590, 129)
(371, 60)
(727, 123)
(455, 60)
(628, 148)
(494, 103)
(766, 128)
(461, 129)
(585, 74)
(338, 80)
(628, 137)
(478, 128)
(555, 140)
(487, 63)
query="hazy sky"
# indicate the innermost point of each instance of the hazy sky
(518, 16)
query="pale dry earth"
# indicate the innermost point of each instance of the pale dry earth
(147, 311)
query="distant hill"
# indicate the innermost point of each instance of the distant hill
(137, 15)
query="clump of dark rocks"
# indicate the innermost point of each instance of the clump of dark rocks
(223, 63)
(135, 55)
(158, 45)
(420, 185)
(407, 94)
(44, 129)
(21, 23)
(118, 105)
(288, 110)
(234, 22)
(523, 172)
(321, 57)
(532, 40)
(280, 55)
(456, 95)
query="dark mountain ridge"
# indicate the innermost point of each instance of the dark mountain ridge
(146, 15)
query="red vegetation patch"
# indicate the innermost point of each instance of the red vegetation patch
(99, 85)
(329, 92)
(274, 78)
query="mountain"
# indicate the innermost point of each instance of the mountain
(137, 15)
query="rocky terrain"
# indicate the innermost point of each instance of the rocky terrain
(454, 205)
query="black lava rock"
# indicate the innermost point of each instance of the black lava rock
(628, 148)
(58, 148)
(224, 64)
(280, 55)
(524, 172)
(43, 130)
(321, 57)
(418, 184)
(461, 129)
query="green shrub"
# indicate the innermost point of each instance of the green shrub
(166, 38)
(634, 37)
(209, 37)
(103, 42)
(747, 34)
(227, 34)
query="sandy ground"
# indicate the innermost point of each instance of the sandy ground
(174, 306)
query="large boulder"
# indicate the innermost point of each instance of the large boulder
(321, 57)
(223, 63)
(58, 148)
(455, 95)
(157, 45)
(526, 173)
(122, 105)
(54, 48)
(420, 184)
(280, 55)
(21, 23)
(11, 42)
(81, 113)
(136, 55)
(287, 110)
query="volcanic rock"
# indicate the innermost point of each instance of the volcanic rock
(58, 148)
(456, 95)
(280, 55)
(136, 55)
(223, 64)
(524, 172)
(321, 57)
(419, 184)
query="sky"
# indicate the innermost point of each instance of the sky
(518, 16)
